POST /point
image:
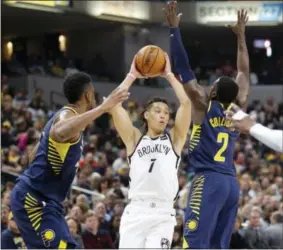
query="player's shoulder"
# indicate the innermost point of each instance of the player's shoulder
(64, 114)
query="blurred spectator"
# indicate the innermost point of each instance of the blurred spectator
(274, 232)
(5, 210)
(56, 68)
(71, 69)
(237, 240)
(10, 237)
(101, 214)
(93, 236)
(253, 234)
(73, 227)
(120, 162)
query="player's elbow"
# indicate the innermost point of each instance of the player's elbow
(186, 103)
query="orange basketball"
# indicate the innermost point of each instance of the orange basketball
(150, 61)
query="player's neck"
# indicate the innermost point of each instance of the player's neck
(78, 108)
(153, 134)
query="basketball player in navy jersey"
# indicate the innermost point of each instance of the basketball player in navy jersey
(36, 199)
(213, 199)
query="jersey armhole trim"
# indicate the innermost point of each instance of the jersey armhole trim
(75, 112)
(139, 140)
(170, 139)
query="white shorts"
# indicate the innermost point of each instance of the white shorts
(147, 224)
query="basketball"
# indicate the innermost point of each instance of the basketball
(150, 61)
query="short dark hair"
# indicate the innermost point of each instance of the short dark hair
(148, 106)
(226, 90)
(277, 217)
(74, 86)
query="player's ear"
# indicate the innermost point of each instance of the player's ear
(145, 115)
(88, 97)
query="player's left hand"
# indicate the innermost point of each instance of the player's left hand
(167, 70)
(242, 123)
(239, 27)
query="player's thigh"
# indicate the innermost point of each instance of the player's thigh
(204, 205)
(227, 217)
(39, 225)
(160, 236)
(132, 228)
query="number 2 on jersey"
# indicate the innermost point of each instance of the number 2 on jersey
(224, 139)
(151, 165)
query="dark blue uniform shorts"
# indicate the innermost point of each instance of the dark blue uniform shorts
(211, 211)
(41, 223)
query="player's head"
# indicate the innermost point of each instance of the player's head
(78, 89)
(224, 90)
(156, 115)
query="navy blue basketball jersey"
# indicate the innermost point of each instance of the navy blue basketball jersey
(212, 143)
(54, 167)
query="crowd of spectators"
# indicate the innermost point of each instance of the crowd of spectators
(99, 195)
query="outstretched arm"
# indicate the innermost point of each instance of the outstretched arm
(182, 66)
(68, 126)
(183, 117)
(246, 124)
(122, 122)
(243, 76)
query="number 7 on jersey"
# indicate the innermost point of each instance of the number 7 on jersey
(151, 165)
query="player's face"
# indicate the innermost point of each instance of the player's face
(157, 116)
(90, 97)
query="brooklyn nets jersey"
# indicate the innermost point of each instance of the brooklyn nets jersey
(153, 169)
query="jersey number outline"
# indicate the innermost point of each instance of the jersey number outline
(151, 165)
(222, 138)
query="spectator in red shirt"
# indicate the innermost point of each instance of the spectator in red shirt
(93, 237)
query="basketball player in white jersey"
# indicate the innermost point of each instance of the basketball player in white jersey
(149, 219)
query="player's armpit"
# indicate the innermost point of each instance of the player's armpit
(243, 82)
(122, 122)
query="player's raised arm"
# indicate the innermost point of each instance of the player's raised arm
(122, 122)
(246, 124)
(183, 117)
(243, 76)
(68, 126)
(181, 62)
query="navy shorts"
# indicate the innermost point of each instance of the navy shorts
(41, 223)
(211, 211)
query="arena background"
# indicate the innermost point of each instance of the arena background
(43, 41)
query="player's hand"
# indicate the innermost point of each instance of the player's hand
(170, 11)
(117, 96)
(240, 121)
(167, 70)
(134, 71)
(239, 27)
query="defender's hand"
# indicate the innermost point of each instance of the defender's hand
(239, 27)
(240, 120)
(167, 70)
(117, 96)
(170, 11)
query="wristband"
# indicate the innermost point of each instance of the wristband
(170, 73)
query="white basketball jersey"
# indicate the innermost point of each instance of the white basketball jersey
(153, 169)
